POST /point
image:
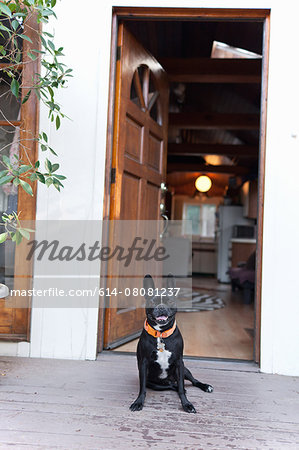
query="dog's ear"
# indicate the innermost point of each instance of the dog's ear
(170, 281)
(148, 283)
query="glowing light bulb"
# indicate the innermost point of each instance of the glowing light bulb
(203, 183)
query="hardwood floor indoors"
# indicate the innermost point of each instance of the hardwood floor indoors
(222, 333)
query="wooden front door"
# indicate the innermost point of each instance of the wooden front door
(138, 161)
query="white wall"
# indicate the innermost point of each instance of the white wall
(86, 38)
(280, 296)
(80, 144)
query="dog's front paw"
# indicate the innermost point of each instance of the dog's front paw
(137, 405)
(188, 407)
(208, 388)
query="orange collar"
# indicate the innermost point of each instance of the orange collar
(155, 333)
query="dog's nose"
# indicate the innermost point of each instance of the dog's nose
(161, 308)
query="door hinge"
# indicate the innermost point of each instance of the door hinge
(118, 53)
(112, 175)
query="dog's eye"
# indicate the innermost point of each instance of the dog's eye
(171, 303)
(152, 302)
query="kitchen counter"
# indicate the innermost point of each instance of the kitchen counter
(244, 240)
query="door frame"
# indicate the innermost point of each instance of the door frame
(200, 14)
(29, 126)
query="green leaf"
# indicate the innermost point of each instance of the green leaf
(37, 164)
(41, 177)
(49, 181)
(56, 185)
(33, 177)
(57, 122)
(37, 93)
(5, 9)
(56, 181)
(44, 42)
(26, 186)
(3, 173)
(26, 38)
(51, 45)
(15, 24)
(14, 87)
(55, 167)
(45, 137)
(6, 160)
(16, 181)
(20, 14)
(24, 233)
(3, 237)
(6, 179)
(41, 52)
(48, 165)
(32, 56)
(52, 151)
(18, 56)
(48, 34)
(51, 92)
(18, 237)
(24, 168)
(60, 177)
(4, 28)
(2, 49)
(26, 97)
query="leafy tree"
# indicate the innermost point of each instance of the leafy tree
(15, 15)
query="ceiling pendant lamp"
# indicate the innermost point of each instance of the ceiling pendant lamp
(203, 183)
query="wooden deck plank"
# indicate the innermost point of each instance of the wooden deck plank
(84, 404)
(145, 428)
(223, 419)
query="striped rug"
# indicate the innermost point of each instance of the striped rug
(191, 301)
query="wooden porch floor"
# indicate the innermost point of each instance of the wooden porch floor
(85, 404)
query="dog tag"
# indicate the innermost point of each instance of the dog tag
(160, 345)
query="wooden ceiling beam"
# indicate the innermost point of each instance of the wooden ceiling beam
(212, 70)
(204, 121)
(248, 151)
(192, 167)
(149, 13)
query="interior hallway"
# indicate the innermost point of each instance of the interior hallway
(222, 333)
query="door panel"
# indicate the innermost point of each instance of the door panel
(139, 159)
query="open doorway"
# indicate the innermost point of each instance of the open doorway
(214, 69)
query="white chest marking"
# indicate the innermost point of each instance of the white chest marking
(163, 361)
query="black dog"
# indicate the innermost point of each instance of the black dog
(160, 348)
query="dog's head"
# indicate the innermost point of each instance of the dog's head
(160, 304)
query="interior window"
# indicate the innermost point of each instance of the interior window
(202, 217)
